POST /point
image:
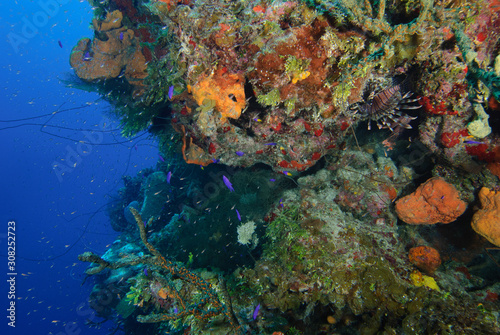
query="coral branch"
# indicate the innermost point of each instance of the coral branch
(93, 258)
(209, 296)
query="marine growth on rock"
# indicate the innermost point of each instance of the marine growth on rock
(325, 166)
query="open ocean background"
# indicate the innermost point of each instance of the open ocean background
(58, 216)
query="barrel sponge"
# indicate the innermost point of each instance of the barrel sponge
(156, 191)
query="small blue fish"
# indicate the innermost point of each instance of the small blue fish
(169, 176)
(170, 92)
(121, 36)
(87, 57)
(272, 180)
(161, 158)
(473, 142)
(228, 183)
(146, 272)
(286, 173)
(281, 202)
(256, 312)
(238, 214)
(215, 160)
(240, 153)
(176, 310)
(60, 44)
(272, 143)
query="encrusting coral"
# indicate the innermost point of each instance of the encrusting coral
(486, 221)
(432, 202)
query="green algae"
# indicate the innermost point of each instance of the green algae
(295, 67)
(270, 99)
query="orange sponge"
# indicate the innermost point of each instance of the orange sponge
(227, 89)
(432, 202)
(425, 258)
(486, 221)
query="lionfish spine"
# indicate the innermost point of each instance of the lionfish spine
(384, 108)
(384, 100)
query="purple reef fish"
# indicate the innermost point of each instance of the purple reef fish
(146, 271)
(87, 57)
(472, 142)
(256, 312)
(240, 153)
(170, 92)
(60, 43)
(238, 214)
(169, 176)
(228, 183)
(161, 158)
(272, 143)
(121, 36)
(272, 180)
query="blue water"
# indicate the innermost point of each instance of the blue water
(54, 188)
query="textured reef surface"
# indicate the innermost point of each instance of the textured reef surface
(327, 167)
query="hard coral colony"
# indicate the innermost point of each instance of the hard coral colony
(276, 206)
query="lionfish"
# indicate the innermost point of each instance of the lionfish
(384, 107)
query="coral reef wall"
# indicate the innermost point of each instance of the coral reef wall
(326, 166)
(282, 82)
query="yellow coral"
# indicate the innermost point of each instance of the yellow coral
(418, 279)
(300, 76)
